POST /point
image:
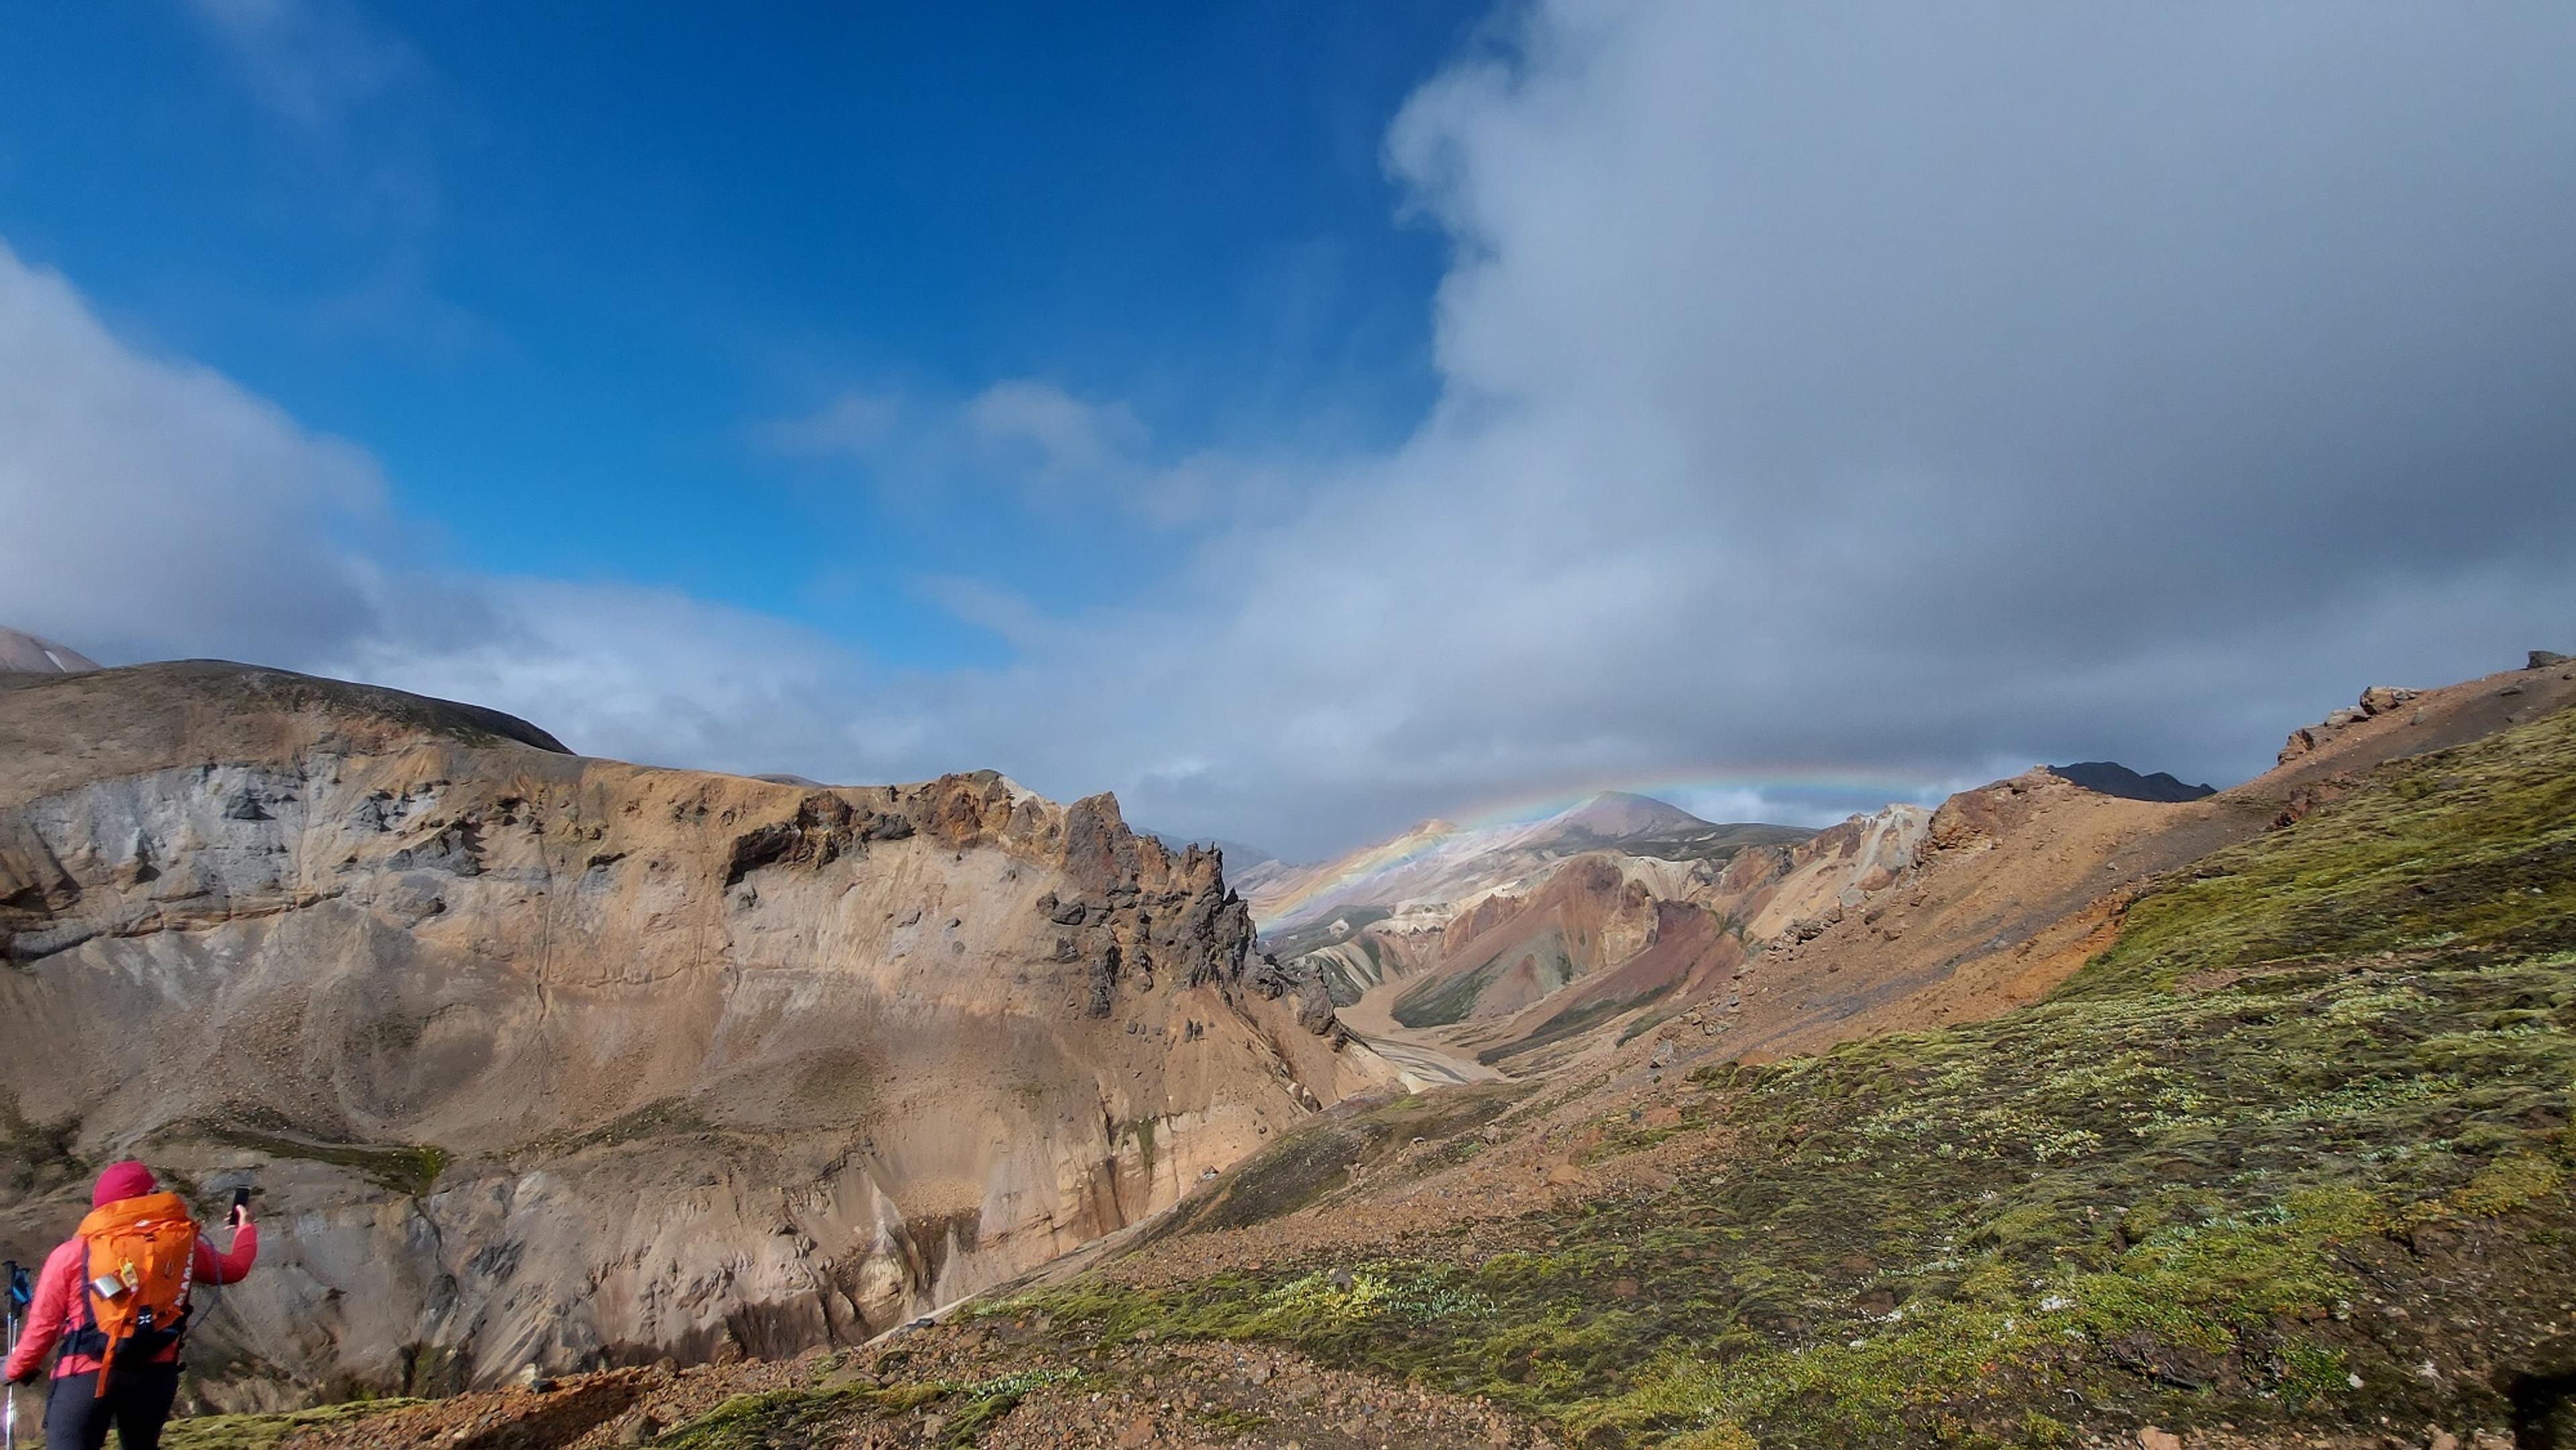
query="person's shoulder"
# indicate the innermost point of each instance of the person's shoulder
(69, 1251)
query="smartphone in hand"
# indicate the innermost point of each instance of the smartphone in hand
(241, 1207)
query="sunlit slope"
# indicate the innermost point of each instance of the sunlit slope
(2292, 1150)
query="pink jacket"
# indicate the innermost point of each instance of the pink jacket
(60, 1306)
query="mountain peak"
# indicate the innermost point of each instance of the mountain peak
(1616, 815)
(23, 653)
(2109, 777)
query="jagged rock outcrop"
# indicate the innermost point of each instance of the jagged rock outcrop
(544, 1060)
(2376, 701)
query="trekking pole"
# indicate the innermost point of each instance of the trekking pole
(17, 1299)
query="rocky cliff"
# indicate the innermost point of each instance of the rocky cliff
(538, 1060)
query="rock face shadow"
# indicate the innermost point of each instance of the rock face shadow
(2544, 1409)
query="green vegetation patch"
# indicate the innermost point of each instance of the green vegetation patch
(258, 1432)
(408, 1168)
(794, 1418)
(1309, 1165)
(2476, 844)
(662, 1116)
(1442, 1001)
(2198, 1184)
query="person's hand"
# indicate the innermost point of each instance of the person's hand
(26, 1376)
(238, 1219)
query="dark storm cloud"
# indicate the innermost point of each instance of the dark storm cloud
(1931, 388)
(2010, 382)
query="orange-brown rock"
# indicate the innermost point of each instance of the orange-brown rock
(543, 1060)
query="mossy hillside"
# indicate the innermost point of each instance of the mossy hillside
(258, 1432)
(406, 1168)
(2142, 1199)
(1356, 1138)
(2476, 844)
(801, 1417)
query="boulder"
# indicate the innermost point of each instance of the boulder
(2544, 659)
(2301, 741)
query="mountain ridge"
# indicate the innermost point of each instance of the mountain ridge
(2044, 1117)
(2109, 777)
(554, 1061)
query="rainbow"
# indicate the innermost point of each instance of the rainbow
(1843, 784)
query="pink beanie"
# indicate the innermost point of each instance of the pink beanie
(128, 1179)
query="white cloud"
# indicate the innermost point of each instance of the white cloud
(853, 424)
(648, 675)
(152, 505)
(152, 508)
(1072, 438)
(1023, 439)
(1903, 392)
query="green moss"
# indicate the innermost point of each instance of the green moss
(793, 1417)
(2476, 844)
(258, 1432)
(806, 1417)
(991, 1399)
(1442, 1001)
(654, 1119)
(1226, 1419)
(1312, 1164)
(1566, 1024)
(2146, 1196)
(408, 1168)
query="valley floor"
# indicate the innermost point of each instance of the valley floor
(1421, 1055)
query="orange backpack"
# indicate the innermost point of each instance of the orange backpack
(142, 1263)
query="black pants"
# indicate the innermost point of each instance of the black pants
(137, 1402)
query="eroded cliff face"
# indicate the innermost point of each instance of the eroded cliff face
(541, 1060)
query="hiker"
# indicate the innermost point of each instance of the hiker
(141, 1244)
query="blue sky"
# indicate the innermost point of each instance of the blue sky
(1305, 419)
(556, 271)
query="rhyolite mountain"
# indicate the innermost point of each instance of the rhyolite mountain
(1438, 861)
(542, 1061)
(2075, 1120)
(23, 653)
(2048, 1116)
(1522, 946)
